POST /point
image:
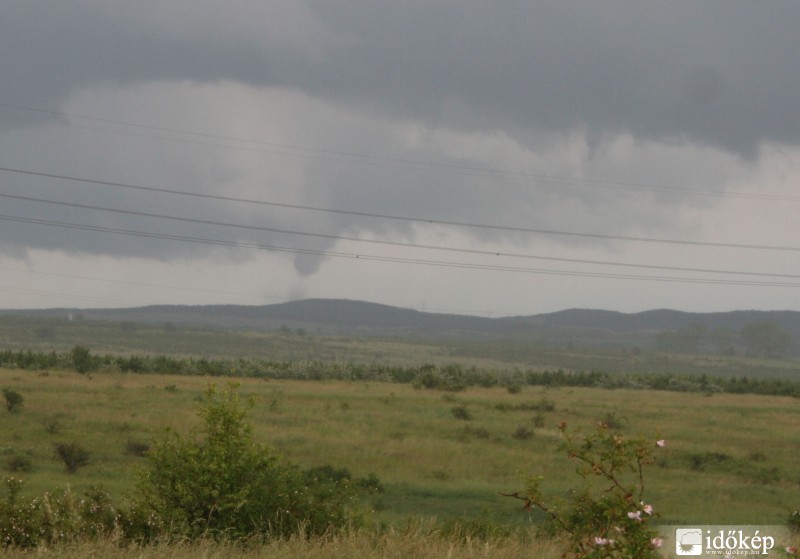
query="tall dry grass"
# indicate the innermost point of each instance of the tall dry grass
(417, 542)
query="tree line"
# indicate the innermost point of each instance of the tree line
(758, 339)
(451, 377)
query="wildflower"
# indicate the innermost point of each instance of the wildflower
(656, 542)
(791, 550)
(648, 509)
(600, 541)
(661, 443)
(635, 515)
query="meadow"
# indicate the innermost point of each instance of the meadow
(729, 458)
(441, 455)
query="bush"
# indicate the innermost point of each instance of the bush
(136, 448)
(793, 521)
(73, 455)
(523, 433)
(52, 424)
(514, 388)
(58, 517)
(468, 433)
(614, 422)
(19, 464)
(219, 482)
(13, 399)
(81, 360)
(461, 412)
(609, 520)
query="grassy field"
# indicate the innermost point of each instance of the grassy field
(442, 457)
(417, 541)
(126, 338)
(729, 458)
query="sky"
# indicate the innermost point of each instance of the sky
(495, 159)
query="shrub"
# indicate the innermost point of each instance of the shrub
(52, 424)
(55, 517)
(81, 360)
(468, 433)
(793, 521)
(330, 474)
(699, 461)
(370, 484)
(523, 433)
(461, 412)
(545, 404)
(606, 520)
(74, 456)
(514, 388)
(19, 464)
(137, 448)
(218, 481)
(614, 422)
(13, 399)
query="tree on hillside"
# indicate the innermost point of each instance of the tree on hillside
(689, 339)
(766, 338)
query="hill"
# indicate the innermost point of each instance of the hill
(578, 327)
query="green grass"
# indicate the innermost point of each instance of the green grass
(60, 335)
(729, 458)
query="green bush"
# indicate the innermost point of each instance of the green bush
(55, 517)
(81, 360)
(137, 448)
(523, 433)
(461, 412)
(606, 520)
(74, 456)
(220, 482)
(793, 521)
(13, 399)
(52, 423)
(514, 388)
(19, 463)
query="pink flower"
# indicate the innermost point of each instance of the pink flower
(600, 541)
(635, 515)
(657, 542)
(661, 443)
(648, 509)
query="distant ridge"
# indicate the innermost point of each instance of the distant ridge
(352, 317)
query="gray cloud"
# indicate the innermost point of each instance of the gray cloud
(440, 110)
(722, 73)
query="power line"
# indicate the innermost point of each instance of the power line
(362, 158)
(443, 222)
(392, 259)
(396, 243)
(63, 295)
(138, 283)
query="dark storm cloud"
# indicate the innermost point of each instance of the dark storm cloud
(722, 73)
